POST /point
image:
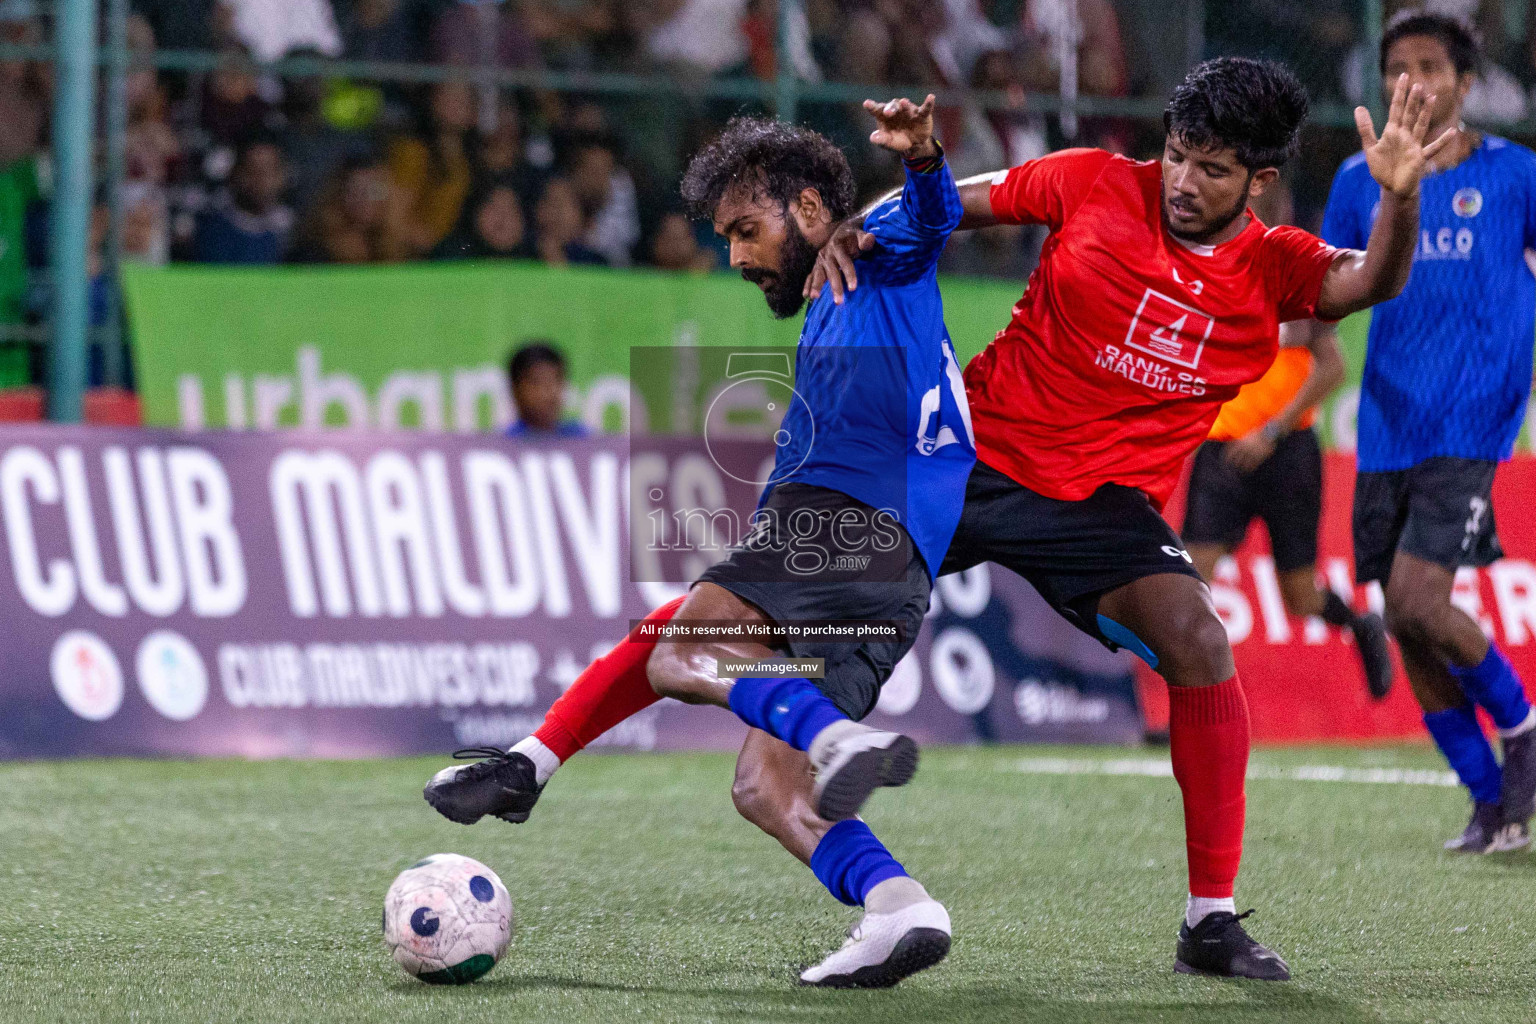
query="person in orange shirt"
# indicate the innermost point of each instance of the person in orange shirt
(1263, 461)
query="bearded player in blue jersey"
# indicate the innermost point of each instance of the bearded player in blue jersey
(867, 489)
(1447, 376)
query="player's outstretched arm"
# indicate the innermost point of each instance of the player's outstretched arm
(1398, 159)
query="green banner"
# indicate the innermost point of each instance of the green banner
(426, 344)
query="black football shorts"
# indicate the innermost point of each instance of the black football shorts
(805, 562)
(1285, 490)
(1440, 510)
(1072, 552)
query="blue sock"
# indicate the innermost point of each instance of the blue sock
(1460, 738)
(1493, 684)
(850, 861)
(792, 710)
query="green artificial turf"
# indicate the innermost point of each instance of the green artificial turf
(231, 891)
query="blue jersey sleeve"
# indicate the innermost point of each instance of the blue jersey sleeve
(1528, 179)
(1342, 218)
(911, 229)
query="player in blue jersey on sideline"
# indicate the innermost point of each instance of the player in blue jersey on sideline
(1447, 376)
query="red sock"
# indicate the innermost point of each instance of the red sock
(1208, 731)
(611, 689)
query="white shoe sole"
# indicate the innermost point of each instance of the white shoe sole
(859, 765)
(923, 942)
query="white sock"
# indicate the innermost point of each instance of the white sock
(544, 760)
(894, 894)
(1199, 906)
(1521, 729)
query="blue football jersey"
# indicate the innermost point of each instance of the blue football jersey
(884, 417)
(1448, 362)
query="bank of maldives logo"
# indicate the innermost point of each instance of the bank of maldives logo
(86, 675)
(1467, 202)
(172, 676)
(1167, 328)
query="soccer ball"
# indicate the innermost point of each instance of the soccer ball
(447, 919)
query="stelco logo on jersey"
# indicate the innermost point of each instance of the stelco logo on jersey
(1169, 330)
(1452, 243)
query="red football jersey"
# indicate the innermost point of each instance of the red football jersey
(1127, 341)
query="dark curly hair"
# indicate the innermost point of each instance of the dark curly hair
(1253, 107)
(777, 160)
(1459, 40)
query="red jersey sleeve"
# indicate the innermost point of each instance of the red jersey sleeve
(1294, 264)
(1048, 190)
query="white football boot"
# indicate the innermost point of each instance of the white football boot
(852, 761)
(882, 949)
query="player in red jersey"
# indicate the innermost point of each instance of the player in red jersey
(1158, 295)
(1156, 298)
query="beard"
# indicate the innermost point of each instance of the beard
(785, 291)
(1221, 224)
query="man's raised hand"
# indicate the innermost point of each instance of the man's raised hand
(1398, 159)
(905, 128)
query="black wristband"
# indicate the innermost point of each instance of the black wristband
(927, 164)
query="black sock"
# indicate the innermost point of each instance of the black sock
(1336, 612)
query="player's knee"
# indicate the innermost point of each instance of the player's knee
(754, 800)
(1208, 637)
(1201, 653)
(770, 807)
(661, 668)
(747, 795)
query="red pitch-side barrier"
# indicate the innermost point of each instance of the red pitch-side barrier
(1303, 680)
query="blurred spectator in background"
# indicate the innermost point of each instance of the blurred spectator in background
(146, 223)
(248, 222)
(1090, 30)
(492, 227)
(674, 246)
(606, 193)
(358, 218)
(312, 145)
(271, 29)
(179, 24)
(993, 139)
(967, 33)
(232, 109)
(1313, 39)
(21, 24)
(152, 146)
(502, 157)
(536, 372)
(559, 226)
(432, 170)
(469, 33)
(888, 41)
(383, 30)
(580, 35)
(760, 27)
(693, 37)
